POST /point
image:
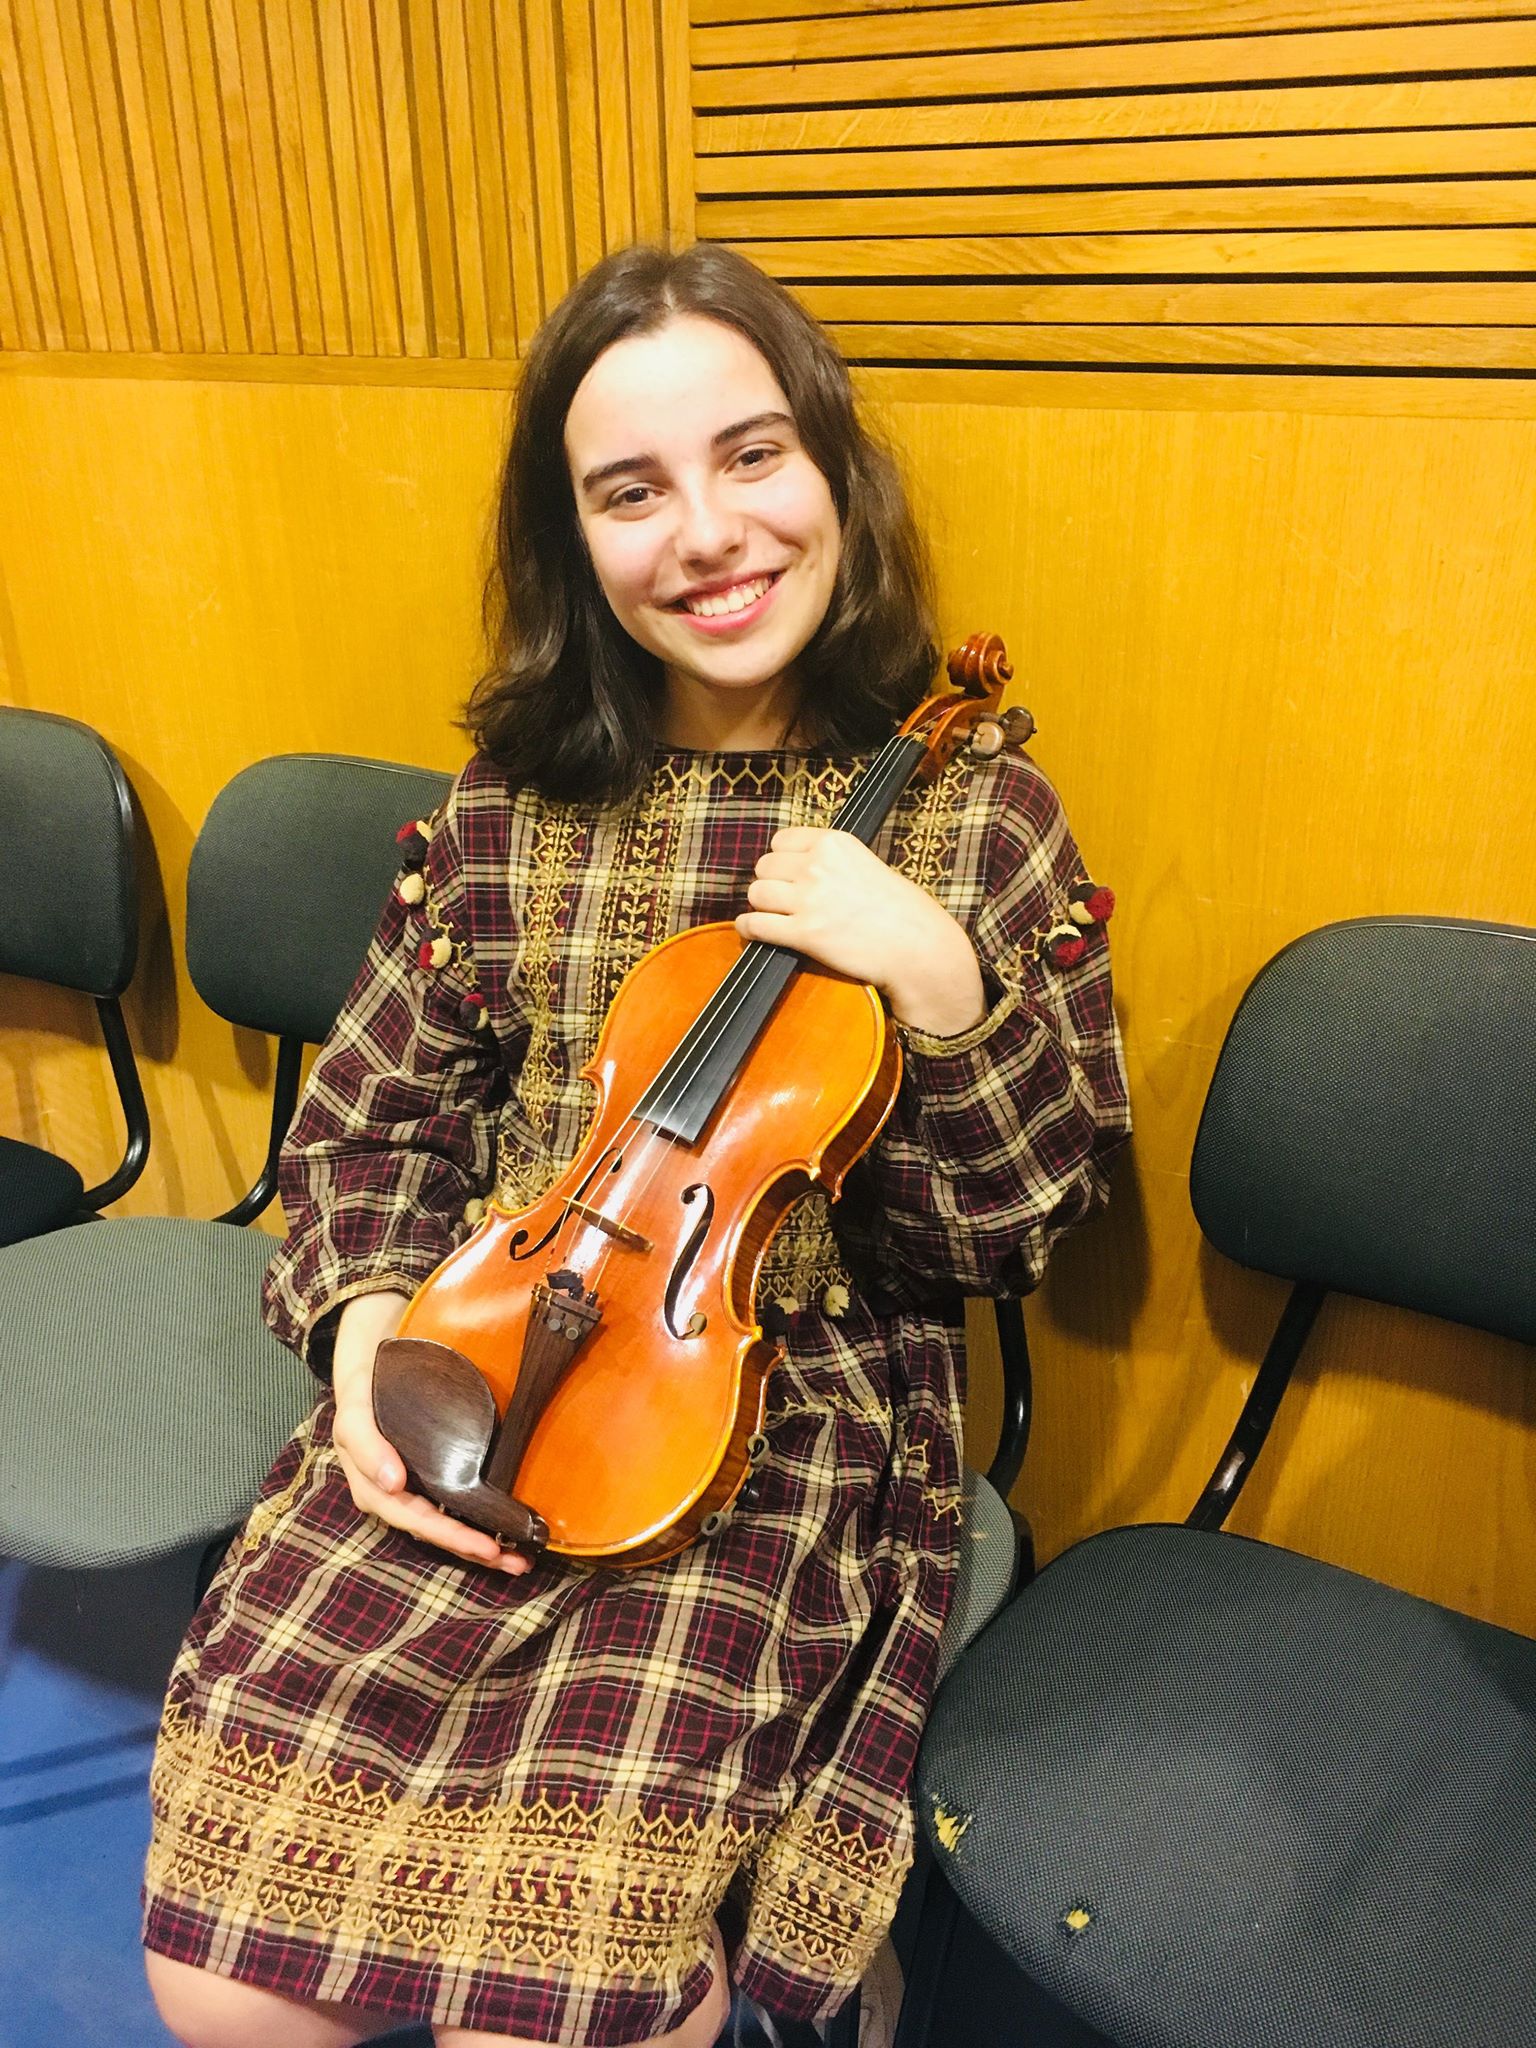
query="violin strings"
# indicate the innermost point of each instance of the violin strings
(874, 794)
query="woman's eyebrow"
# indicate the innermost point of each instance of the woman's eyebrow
(594, 477)
(750, 426)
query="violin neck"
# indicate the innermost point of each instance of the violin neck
(690, 1086)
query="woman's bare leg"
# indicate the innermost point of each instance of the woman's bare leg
(206, 2011)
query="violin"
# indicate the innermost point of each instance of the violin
(588, 1374)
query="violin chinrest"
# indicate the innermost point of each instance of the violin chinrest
(435, 1406)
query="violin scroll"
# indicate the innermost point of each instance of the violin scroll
(979, 670)
(980, 666)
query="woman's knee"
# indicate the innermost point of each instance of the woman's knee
(203, 2010)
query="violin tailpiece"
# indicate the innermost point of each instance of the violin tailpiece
(435, 1406)
(559, 1322)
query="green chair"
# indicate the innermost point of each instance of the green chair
(142, 1398)
(70, 918)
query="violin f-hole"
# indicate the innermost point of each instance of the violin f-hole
(696, 1323)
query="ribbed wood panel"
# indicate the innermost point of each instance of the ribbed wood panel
(414, 179)
(1228, 185)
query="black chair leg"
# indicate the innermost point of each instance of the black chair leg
(843, 2028)
(208, 1564)
(1026, 1551)
(937, 1912)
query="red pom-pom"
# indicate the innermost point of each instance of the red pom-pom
(1089, 903)
(424, 953)
(472, 1010)
(1098, 901)
(1064, 947)
(411, 839)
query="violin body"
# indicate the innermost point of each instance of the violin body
(599, 1352)
(647, 1433)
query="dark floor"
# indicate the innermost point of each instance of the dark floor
(83, 1662)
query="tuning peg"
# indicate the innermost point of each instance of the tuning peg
(1019, 726)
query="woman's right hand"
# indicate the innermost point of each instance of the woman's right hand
(374, 1469)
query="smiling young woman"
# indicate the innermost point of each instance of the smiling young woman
(405, 1773)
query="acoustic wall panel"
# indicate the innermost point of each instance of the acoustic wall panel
(1075, 184)
(327, 179)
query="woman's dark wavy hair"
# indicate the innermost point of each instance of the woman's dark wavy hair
(569, 702)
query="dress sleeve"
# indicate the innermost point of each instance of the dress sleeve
(396, 1131)
(1001, 1138)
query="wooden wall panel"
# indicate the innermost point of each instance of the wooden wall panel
(361, 181)
(1272, 148)
(1280, 660)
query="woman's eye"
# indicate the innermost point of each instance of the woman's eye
(631, 496)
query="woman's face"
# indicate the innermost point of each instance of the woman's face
(712, 532)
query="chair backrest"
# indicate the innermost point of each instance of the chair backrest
(287, 880)
(1371, 1124)
(70, 913)
(285, 887)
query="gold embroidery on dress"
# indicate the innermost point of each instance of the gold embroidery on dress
(803, 1259)
(942, 1500)
(634, 913)
(816, 794)
(554, 845)
(874, 1411)
(266, 1514)
(925, 849)
(824, 1895)
(458, 956)
(598, 1892)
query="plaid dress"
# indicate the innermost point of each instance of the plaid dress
(518, 1804)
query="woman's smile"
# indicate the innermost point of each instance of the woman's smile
(734, 605)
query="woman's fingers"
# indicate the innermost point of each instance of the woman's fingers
(418, 1517)
(767, 893)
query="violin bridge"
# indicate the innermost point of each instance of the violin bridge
(621, 1232)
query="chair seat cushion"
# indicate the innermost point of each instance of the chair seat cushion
(38, 1191)
(1210, 1793)
(142, 1398)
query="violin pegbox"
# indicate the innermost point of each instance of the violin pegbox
(943, 723)
(1013, 729)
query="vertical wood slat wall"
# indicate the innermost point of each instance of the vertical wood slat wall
(1143, 184)
(327, 179)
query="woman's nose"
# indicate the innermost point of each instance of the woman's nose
(708, 529)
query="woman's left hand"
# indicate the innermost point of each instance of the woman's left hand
(826, 895)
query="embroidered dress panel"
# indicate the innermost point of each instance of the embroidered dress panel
(519, 1805)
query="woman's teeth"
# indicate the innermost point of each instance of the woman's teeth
(736, 599)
